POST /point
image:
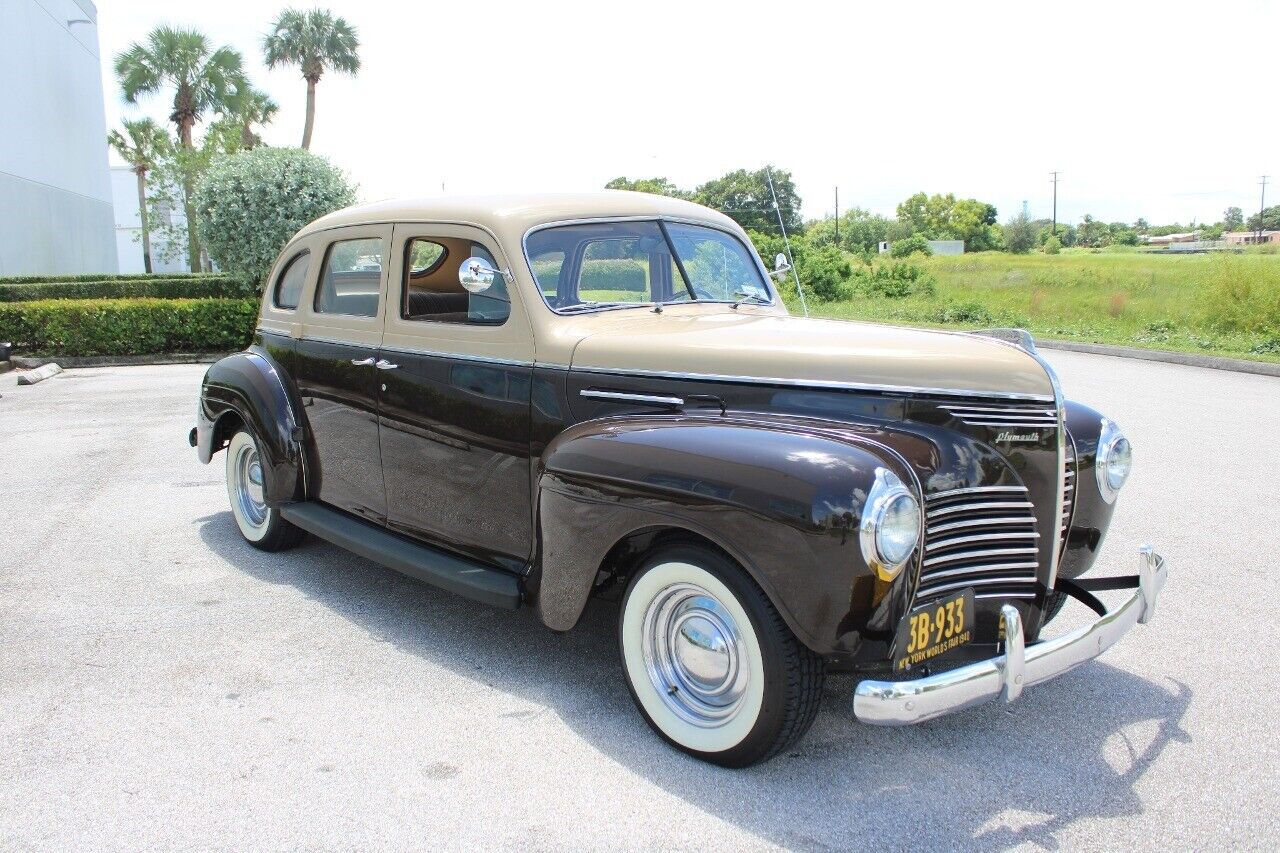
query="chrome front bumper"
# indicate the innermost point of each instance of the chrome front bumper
(901, 703)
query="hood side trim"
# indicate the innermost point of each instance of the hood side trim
(815, 383)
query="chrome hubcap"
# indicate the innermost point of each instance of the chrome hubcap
(249, 491)
(695, 655)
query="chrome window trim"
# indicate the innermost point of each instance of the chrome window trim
(680, 220)
(509, 362)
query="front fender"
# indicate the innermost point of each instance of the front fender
(249, 387)
(784, 502)
(1092, 515)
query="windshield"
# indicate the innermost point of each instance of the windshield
(619, 264)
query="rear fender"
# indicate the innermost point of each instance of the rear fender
(784, 503)
(250, 387)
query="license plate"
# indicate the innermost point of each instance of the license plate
(933, 629)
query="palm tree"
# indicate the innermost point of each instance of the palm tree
(315, 41)
(250, 106)
(141, 145)
(202, 79)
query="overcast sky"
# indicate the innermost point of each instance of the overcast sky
(1159, 110)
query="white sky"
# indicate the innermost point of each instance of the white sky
(1158, 110)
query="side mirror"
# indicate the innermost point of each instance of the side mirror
(476, 275)
(780, 266)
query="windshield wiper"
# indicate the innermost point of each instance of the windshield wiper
(591, 306)
(749, 297)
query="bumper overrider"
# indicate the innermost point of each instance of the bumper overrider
(900, 703)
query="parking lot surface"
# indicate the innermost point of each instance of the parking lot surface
(164, 685)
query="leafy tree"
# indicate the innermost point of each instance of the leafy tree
(1052, 245)
(1019, 235)
(1089, 232)
(859, 231)
(1233, 219)
(141, 145)
(249, 107)
(202, 79)
(316, 42)
(906, 247)
(1141, 225)
(1268, 221)
(251, 203)
(655, 186)
(943, 217)
(745, 197)
(1120, 234)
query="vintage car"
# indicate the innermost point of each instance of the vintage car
(548, 399)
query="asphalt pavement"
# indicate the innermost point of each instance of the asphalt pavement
(163, 685)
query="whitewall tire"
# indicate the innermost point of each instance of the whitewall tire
(711, 666)
(259, 523)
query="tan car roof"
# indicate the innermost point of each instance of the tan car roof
(510, 216)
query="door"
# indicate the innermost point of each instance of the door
(455, 411)
(335, 369)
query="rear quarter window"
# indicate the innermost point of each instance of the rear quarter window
(289, 285)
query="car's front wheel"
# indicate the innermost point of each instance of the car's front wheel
(260, 524)
(710, 663)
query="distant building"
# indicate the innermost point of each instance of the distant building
(1250, 238)
(938, 247)
(1170, 239)
(55, 192)
(124, 191)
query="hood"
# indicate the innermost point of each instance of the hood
(799, 350)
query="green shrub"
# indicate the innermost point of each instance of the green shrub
(908, 246)
(965, 312)
(249, 204)
(128, 326)
(1052, 245)
(825, 272)
(894, 280)
(1243, 294)
(161, 287)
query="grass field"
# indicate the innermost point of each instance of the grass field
(1223, 304)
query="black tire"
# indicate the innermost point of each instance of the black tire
(774, 714)
(259, 524)
(1053, 604)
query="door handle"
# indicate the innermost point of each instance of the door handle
(362, 362)
(383, 364)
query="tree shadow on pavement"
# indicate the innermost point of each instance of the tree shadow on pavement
(988, 778)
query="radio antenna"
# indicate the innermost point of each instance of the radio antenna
(786, 242)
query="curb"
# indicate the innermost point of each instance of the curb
(31, 362)
(1212, 362)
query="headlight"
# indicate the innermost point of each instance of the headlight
(890, 526)
(1115, 460)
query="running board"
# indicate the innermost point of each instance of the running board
(438, 568)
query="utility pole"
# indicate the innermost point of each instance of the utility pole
(1262, 206)
(837, 216)
(1055, 203)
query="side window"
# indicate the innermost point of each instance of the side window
(431, 289)
(350, 277)
(289, 284)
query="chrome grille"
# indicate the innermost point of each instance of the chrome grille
(1034, 415)
(1068, 492)
(984, 537)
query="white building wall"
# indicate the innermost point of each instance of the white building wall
(124, 191)
(55, 195)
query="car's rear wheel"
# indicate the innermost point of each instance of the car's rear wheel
(710, 663)
(260, 524)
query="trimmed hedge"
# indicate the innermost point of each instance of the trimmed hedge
(125, 287)
(104, 276)
(128, 326)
